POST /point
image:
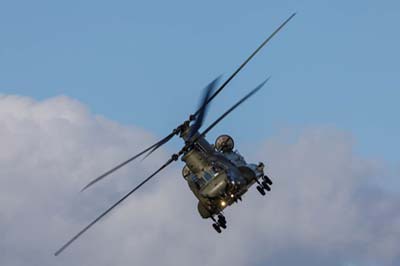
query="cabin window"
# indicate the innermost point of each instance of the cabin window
(207, 177)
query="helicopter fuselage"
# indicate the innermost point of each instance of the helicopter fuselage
(217, 178)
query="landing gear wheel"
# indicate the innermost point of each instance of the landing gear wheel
(265, 185)
(261, 190)
(221, 221)
(268, 180)
(217, 228)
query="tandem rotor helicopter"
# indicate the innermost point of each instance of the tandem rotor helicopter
(217, 174)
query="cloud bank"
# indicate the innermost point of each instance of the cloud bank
(323, 209)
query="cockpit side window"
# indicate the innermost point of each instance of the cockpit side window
(207, 176)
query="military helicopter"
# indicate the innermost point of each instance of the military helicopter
(216, 173)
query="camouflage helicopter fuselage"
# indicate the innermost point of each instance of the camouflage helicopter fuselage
(218, 178)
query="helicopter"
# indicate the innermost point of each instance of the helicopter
(217, 174)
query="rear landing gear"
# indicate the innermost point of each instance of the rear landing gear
(267, 180)
(264, 185)
(261, 190)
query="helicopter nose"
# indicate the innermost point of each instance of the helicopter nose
(235, 179)
(215, 187)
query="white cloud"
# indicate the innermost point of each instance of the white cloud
(322, 209)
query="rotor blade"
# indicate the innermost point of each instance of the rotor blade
(128, 161)
(200, 117)
(234, 107)
(173, 158)
(203, 107)
(165, 140)
(210, 98)
(247, 60)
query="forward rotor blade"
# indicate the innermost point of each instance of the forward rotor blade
(128, 161)
(247, 60)
(203, 107)
(234, 107)
(173, 158)
(165, 140)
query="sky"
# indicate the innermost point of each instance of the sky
(85, 84)
(336, 63)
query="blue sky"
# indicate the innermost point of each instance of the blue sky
(145, 63)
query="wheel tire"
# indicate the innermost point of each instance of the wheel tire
(217, 228)
(268, 180)
(265, 186)
(221, 219)
(261, 190)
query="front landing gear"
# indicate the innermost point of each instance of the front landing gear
(217, 228)
(220, 223)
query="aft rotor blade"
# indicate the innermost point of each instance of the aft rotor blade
(173, 158)
(203, 107)
(164, 140)
(200, 116)
(247, 60)
(210, 98)
(234, 107)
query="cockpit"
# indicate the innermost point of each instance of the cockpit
(203, 177)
